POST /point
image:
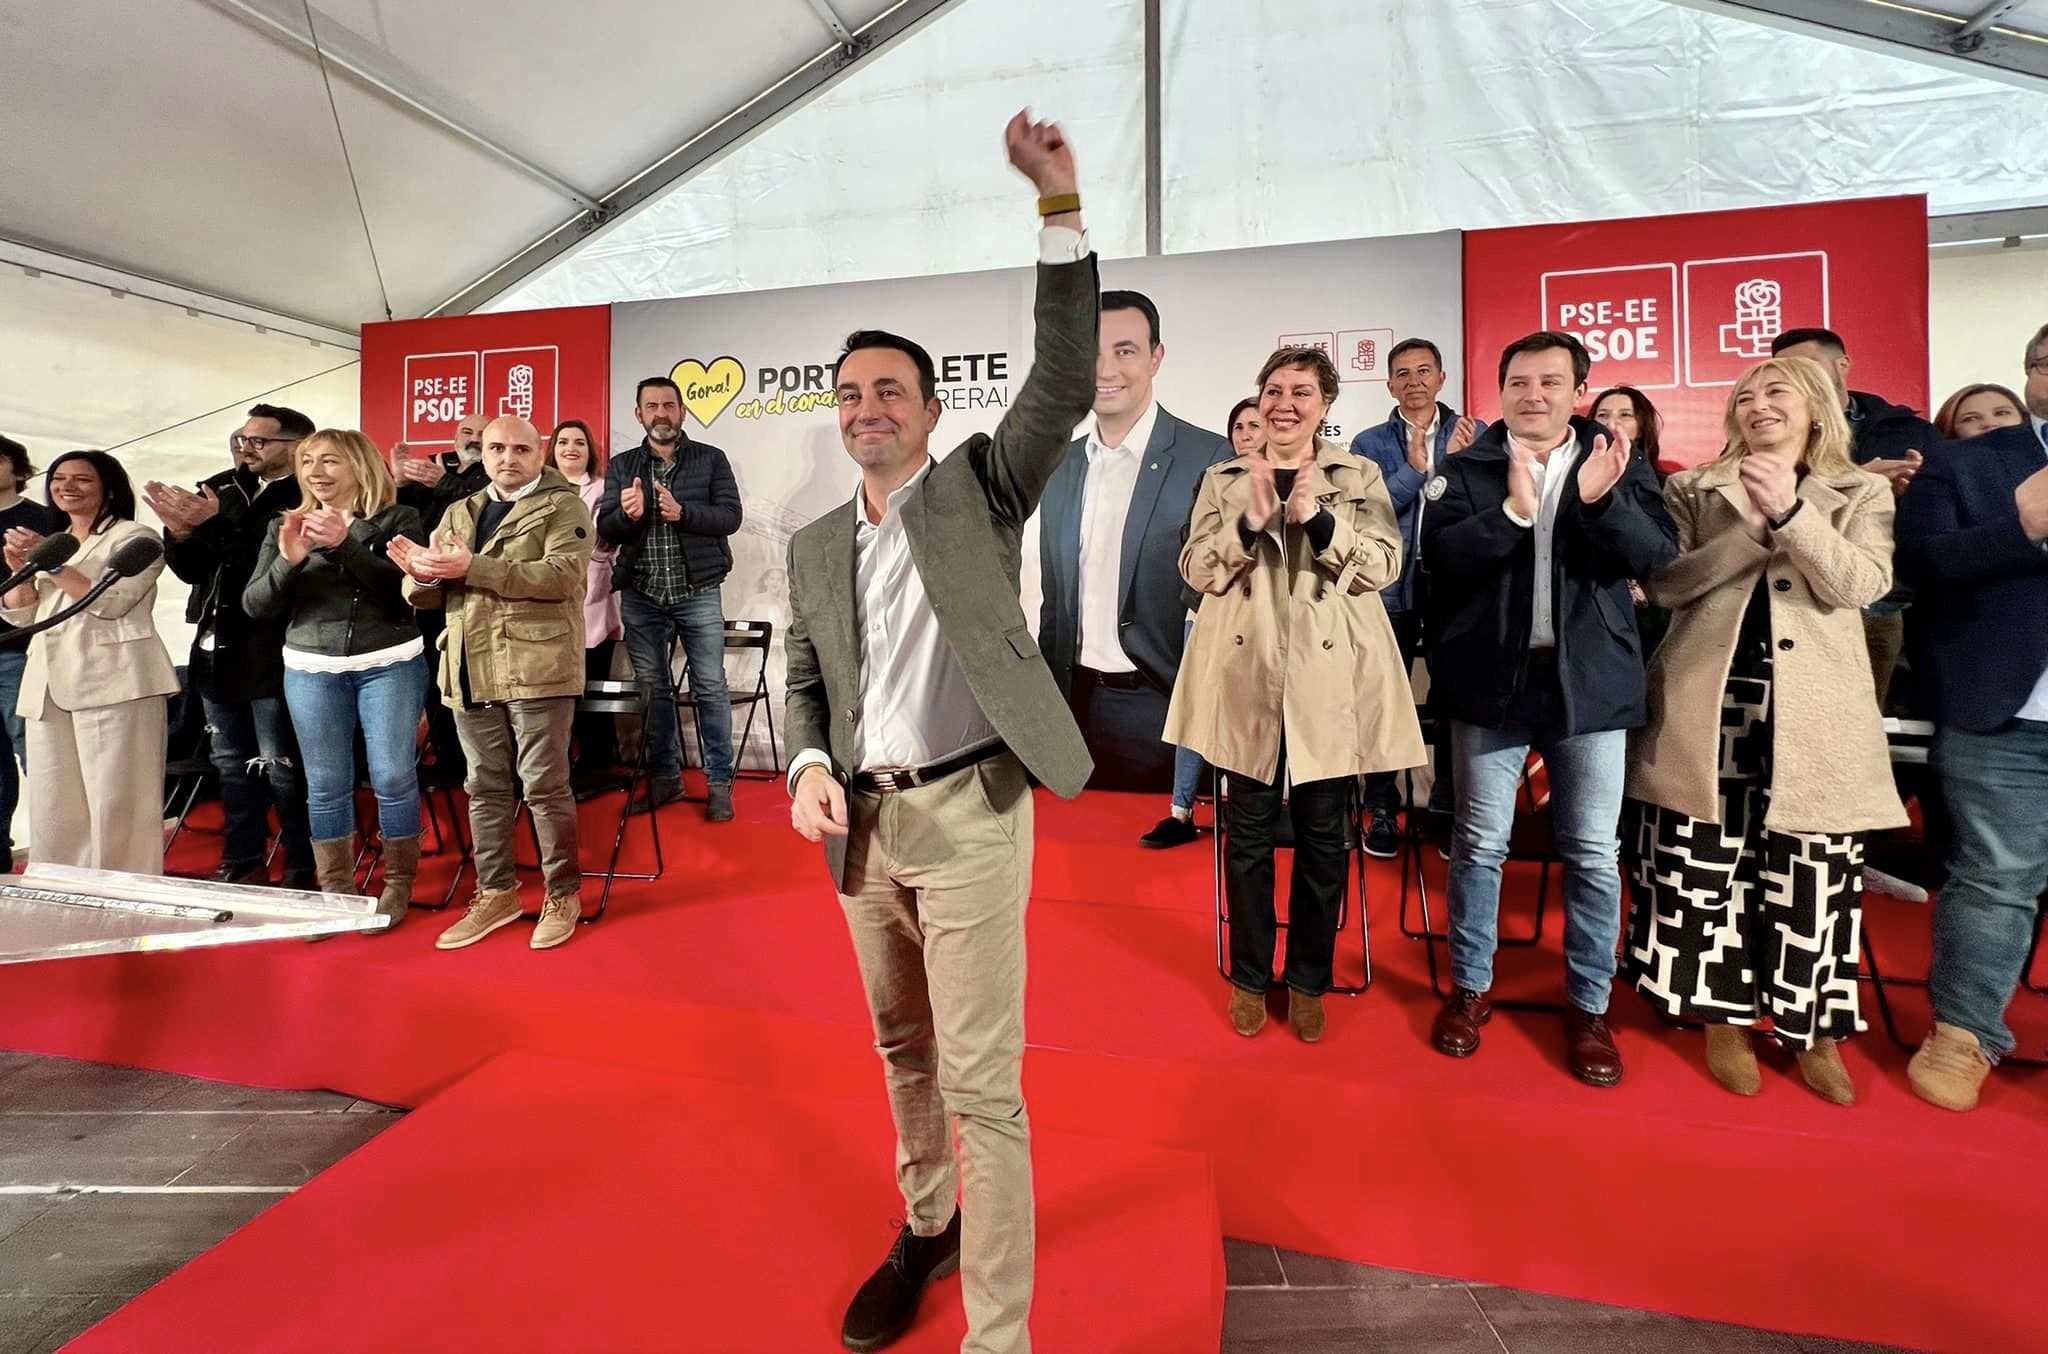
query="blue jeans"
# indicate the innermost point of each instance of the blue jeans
(1997, 786)
(13, 745)
(651, 628)
(1187, 766)
(258, 762)
(1585, 808)
(327, 708)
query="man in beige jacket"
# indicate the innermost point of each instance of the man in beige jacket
(509, 566)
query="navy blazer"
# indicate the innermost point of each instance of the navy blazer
(1960, 543)
(1152, 599)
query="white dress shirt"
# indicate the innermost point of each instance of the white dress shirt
(915, 704)
(1105, 506)
(1551, 475)
(1429, 465)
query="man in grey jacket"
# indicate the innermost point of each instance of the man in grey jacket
(921, 712)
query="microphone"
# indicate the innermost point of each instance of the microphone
(50, 555)
(130, 558)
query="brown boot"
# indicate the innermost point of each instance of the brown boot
(401, 867)
(1456, 1031)
(1305, 1014)
(334, 864)
(1589, 1048)
(1822, 1067)
(1247, 1011)
(1731, 1059)
(1950, 1068)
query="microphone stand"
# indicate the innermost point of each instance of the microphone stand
(21, 635)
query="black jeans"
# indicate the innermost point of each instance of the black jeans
(1383, 788)
(256, 754)
(1122, 731)
(1251, 812)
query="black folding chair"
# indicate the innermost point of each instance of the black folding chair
(1283, 835)
(606, 697)
(743, 637)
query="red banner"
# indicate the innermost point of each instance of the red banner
(1680, 306)
(421, 376)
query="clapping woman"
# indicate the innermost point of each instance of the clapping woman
(1764, 755)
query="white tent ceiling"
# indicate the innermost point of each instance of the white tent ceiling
(193, 140)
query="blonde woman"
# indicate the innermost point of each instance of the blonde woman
(1292, 673)
(1764, 754)
(352, 657)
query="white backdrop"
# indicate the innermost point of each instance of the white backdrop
(756, 368)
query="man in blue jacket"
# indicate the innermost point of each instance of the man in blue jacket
(1973, 536)
(1530, 537)
(1416, 438)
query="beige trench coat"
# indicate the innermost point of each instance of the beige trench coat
(1830, 767)
(1292, 642)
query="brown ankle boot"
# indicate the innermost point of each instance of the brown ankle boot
(1731, 1059)
(334, 865)
(1822, 1067)
(401, 867)
(1305, 1014)
(1247, 1011)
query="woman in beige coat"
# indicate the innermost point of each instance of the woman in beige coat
(1765, 752)
(1292, 668)
(93, 692)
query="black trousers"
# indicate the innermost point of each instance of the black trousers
(1251, 813)
(597, 736)
(1122, 730)
(441, 736)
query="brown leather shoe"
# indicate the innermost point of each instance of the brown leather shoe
(1589, 1048)
(1456, 1032)
(1247, 1011)
(1732, 1060)
(1305, 1014)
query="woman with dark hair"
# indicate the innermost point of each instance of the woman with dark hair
(573, 450)
(1627, 410)
(93, 691)
(1292, 675)
(1977, 409)
(1247, 430)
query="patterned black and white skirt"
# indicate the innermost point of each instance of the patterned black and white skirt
(1738, 925)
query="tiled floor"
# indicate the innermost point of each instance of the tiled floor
(184, 1162)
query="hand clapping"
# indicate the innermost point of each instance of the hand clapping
(1604, 468)
(1302, 505)
(1265, 500)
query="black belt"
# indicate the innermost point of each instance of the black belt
(1114, 681)
(893, 780)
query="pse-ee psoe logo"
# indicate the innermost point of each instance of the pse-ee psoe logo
(965, 381)
(440, 388)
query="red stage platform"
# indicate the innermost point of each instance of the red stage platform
(1891, 1221)
(540, 1206)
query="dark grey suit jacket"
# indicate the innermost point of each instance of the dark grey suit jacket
(1152, 603)
(966, 528)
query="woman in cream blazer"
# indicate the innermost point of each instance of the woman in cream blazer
(1764, 755)
(93, 692)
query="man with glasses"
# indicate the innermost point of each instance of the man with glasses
(2036, 392)
(429, 485)
(1408, 448)
(211, 540)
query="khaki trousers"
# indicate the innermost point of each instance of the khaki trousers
(531, 737)
(96, 796)
(941, 874)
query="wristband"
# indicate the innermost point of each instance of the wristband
(1058, 203)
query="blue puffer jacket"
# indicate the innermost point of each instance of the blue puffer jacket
(1386, 445)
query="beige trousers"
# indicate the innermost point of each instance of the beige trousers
(96, 786)
(941, 876)
(530, 738)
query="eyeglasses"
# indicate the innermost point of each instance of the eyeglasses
(257, 444)
(2038, 366)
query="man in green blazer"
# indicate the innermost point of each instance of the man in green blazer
(921, 712)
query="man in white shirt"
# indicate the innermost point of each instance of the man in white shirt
(921, 711)
(1530, 537)
(1113, 620)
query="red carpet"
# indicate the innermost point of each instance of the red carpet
(1890, 1221)
(547, 1206)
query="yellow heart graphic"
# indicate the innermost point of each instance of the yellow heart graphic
(708, 390)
